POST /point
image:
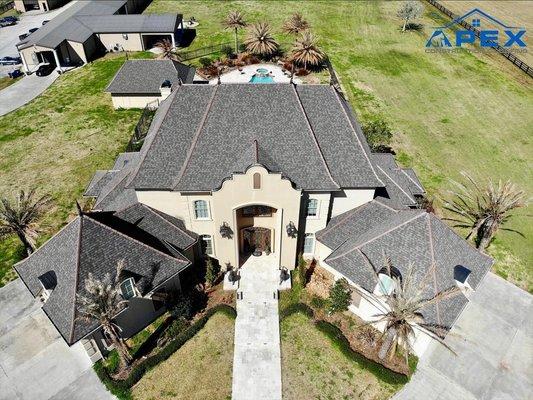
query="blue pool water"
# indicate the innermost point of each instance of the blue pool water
(261, 79)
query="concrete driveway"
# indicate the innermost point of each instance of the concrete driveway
(24, 91)
(493, 339)
(35, 362)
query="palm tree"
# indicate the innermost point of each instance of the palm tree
(234, 20)
(20, 217)
(401, 310)
(484, 209)
(260, 40)
(167, 49)
(306, 51)
(102, 302)
(295, 24)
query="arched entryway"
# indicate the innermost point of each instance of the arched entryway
(256, 238)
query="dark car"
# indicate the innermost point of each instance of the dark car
(15, 74)
(4, 22)
(10, 60)
(33, 30)
(11, 18)
(45, 70)
(23, 36)
(46, 21)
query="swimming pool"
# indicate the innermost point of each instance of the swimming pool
(262, 76)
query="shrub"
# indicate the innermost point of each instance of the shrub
(212, 271)
(296, 308)
(340, 295)
(182, 308)
(175, 328)
(112, 362)
(319, 302)
(378, 135)
(227, 50)
(204, 62)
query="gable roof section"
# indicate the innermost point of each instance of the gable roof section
(402, 185)
(205, 133)
(363, 237)
(129, 23)
(87, 246)
(146, 76)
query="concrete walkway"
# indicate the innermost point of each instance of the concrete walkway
(35, 362)
(24, 91)
(493, 339)
(257, 358)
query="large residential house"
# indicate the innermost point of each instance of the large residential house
(250, 168)
(89, 28)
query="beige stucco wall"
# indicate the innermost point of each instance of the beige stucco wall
(30, 56)
(19, 6)
(234, 194)
(110, 40)
(133, 101)
(349, 199)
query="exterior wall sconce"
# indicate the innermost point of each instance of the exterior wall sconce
(125, 36)
(226, 231)
(291, 229)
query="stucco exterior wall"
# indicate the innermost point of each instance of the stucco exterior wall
(73, 52)
(19, 6)
(132, 101)
(314, 224)
(132, 43)
(349, 199)
(30, 56)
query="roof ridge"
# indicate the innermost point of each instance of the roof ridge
(161, 217)
(115, 76)
(313, 136)
(378, 236)
(411, 179)
(76, 280)
(377, 200)
(108, 192)
(136, 241)
(195, 139)
(134, 173)
(344, 218)
(394, 182)
(355, 133)
(432, 267)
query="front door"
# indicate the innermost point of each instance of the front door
(256, 238)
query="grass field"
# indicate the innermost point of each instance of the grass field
(7, 81)
(450, 113)
(314, 368)
(201, 369)
(57, 141)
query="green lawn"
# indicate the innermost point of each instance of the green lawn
(450, 113)
(7, 81)
(56, 143)
(315, 368)
(201, 369)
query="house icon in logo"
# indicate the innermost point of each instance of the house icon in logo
(472, 21)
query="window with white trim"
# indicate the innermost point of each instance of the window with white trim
(207, 245)
(312, 208)
(385, 285)
(309, 243)
(201, 209)
(127, 287)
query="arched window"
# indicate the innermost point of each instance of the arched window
(312, 208)
(207, 245)
(257, 180)
(201, 209)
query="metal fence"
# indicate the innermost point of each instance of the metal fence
(6, 6)
(203, 51)
(503, 51)
(142, 127)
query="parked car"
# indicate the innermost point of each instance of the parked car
(23, 36)
(15, 73)
(33, 30)
(4, 22)
(10, 60)
(45, 70)
(11, 18)
(46, 21)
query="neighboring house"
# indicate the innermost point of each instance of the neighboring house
(142, 82)
(286, 168)
(155, 249)
(88, 28)
(42, 5)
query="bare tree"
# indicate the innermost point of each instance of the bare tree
(234, 20)
(295, 24)
(19, 217)
(102, 302)
(260, 40)
(483, 209)
(408, 11)
(306, 50)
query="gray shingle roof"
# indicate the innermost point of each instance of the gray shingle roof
(146, 76)
(380, 228)
(98, 182)
(85, 246)
(85, 18)
(203, 133)
(402, 185)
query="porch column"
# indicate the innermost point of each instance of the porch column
(173, 40)
(26, 69)
(58, 65)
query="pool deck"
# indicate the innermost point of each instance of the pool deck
(248, 71)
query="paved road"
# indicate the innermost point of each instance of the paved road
(493, 339)
(257, 357)
(35, 362)
(23, 91)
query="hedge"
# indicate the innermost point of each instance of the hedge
(121, 388)
(342, 342)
